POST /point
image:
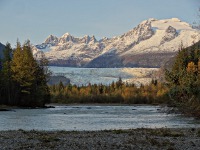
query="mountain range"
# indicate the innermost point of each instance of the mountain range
(151, 44)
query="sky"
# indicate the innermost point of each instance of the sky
(37, 19)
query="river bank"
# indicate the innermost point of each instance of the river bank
(163, 138)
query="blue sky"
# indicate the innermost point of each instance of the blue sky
(36, 19)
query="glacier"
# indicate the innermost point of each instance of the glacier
(105, 76)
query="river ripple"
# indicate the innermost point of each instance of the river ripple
(90, 118)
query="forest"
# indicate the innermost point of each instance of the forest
(116, 92)
(183, 80)
(23, 82)
(181, 87)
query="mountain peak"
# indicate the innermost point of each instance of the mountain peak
(66, 34)
(173, 22)
(93, 39)
(133, 48)
(86, 36)
(152, 19)
(176, 19)
(51, 39)
(66, 38)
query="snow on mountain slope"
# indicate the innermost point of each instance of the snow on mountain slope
(142, 32)
(138, 47)
(174, 22)
(168, 36)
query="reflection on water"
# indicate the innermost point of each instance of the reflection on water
(92, 118)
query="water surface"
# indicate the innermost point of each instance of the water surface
(90, 118)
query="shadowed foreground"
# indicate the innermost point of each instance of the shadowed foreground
(168, 139)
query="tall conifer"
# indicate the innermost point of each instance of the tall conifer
(6, 73)
(29, 76)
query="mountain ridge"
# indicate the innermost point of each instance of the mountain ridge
(152, 40)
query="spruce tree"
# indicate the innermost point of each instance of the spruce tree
(1, 83)
(29, 76)
(6, 74)
(43, 75)
(183, 77)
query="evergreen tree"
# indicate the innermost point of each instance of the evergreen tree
(119, 83)
(23, 80)
(6, 74)
(29, 77)
(184, 78)
(1, 83)
(43, 75)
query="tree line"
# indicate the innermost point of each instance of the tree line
(23, 80)
(183, 80)
(180, 89)
(116, 92)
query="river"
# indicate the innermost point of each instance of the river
(90, 118)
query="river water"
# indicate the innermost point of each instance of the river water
(90, 118)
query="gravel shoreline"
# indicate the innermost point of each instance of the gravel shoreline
(148, 139)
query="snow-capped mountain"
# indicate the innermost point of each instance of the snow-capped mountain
(150, 44)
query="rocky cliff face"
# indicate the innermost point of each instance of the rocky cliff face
(170, 34)
(150, 44)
